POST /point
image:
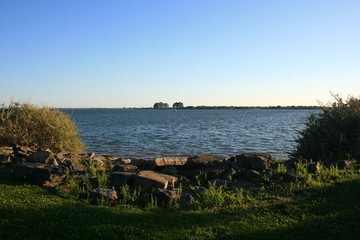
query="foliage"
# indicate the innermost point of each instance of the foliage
(331, 212)
(333, 134)
(28, 125)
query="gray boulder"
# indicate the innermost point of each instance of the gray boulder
(255, 161)
(119, 179)
(105, 194)
(150, 179)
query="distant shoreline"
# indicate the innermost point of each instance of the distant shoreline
(207, 108)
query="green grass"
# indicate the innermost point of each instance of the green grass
(331, 211)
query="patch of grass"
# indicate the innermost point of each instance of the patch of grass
(39, 127)
(330, 212)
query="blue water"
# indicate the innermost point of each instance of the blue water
(154, 133)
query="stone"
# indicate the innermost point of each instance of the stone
(166, 196)
(119, 179)
(123, 160)
(187, 201)
(170, 161)
(75, 166)
(169, 171)
(150, 179)
(41, 174)
(202, 161)
(343, 164)
(255, 161)
(251, 175)
(4, 150)
(4, 158)
(142, 164)
(314, 168)
(40, 156)
(291, 177)
(105, 194)
(125, 168)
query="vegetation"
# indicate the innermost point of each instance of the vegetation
(28, 125)
(332, 135)
(324, 208)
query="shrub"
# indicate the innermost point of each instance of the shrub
(28, 125)
(333, 134)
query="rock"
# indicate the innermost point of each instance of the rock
(40, 157)
(170, 161)
(142, 164)
(151, 179)
(314, 168)
(186, 201)
(22, 149)
(4, 158)
(169, 171)
(125, 168)
(42, 174)
(291, 177)
(50, 176)
(106, 194)
(4, 150)
(123, 160)
(251, 175)
(202, 161)
(166, 196)
(53, 162)
(76, 166)
(119, 179)
(255, 161)
(343, 164)
(108, 158)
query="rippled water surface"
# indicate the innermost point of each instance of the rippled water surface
(151, 133)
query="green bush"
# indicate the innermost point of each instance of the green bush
(38, 127)
(333, 134)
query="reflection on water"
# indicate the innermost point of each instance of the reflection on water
(151, 133)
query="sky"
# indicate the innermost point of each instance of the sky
(122, 53)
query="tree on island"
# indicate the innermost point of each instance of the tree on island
(178, 105)
(161, 105)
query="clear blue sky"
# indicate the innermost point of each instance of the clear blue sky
(201, 52)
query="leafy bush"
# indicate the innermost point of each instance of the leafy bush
(333, 134)
(28, 125)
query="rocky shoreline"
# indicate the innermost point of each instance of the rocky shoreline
(163, 176)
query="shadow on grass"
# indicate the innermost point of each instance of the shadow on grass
(329, 214)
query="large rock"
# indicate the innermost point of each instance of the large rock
(151, 179)
(255, 161)
(42, 174)
(125, 168)
(40, 157)
(105, 194)
(170, 161)
(251, 175)
(166, 196)
(343, 164)
(202, 161)
(4, 150)
(314, 168)
(119, 179)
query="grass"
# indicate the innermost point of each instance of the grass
(329, 210)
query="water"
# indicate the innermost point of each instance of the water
(154, 133)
